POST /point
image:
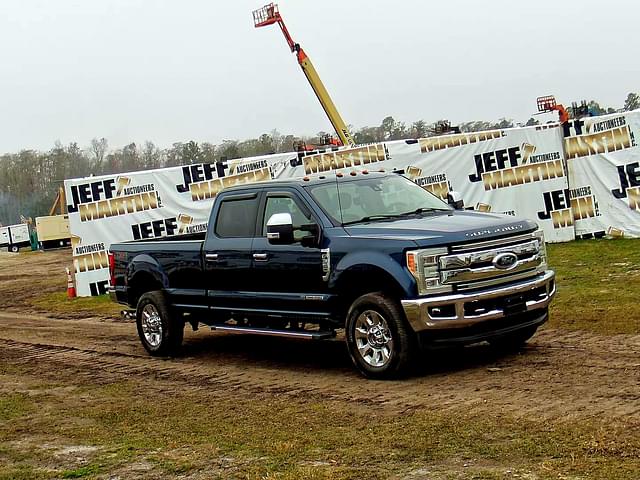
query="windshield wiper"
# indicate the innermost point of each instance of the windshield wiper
(423, 210)
(417, 211)
(370, 218)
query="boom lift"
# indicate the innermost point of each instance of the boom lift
(268, 15)
(548, 104)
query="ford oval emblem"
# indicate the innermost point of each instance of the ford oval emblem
(505, 261)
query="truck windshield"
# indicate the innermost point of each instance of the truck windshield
(374, 198)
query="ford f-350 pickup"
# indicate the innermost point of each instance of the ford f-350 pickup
(371, 253)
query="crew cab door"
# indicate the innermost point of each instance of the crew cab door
(289, 278)
(227, 252)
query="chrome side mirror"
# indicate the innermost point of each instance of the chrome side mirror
(280, 229)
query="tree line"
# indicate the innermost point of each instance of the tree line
(30, 179)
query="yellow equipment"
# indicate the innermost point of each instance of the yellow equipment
(268, 15)
(53, 231)
(60, 202)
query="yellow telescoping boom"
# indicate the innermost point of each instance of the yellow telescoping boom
(268, 15)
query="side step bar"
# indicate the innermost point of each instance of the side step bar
(311, 335)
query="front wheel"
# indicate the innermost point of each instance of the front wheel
(160, 334)
(380, 342)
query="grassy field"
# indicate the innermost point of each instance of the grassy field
(56, 424)
(598, 285)
(58, 303)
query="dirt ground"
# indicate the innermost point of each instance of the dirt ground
(560, 378)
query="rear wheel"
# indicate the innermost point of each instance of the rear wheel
(15, 248)
(159, 332)
(380, 343)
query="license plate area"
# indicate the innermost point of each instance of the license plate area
(514, 304)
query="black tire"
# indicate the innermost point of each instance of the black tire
(14, 248)
(514, 340)
(400, 352)
(168, 340)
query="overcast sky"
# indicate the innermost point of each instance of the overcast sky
(175, 70)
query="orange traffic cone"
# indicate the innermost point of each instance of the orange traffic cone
(71, 290)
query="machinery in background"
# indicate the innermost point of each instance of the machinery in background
(443, 127)
(268, 15)
(15, 237)
(53, 230)
(59, 204)
(548, 104)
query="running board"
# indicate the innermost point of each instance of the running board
(310, 335)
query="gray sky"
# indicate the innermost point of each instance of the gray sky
(169, 70)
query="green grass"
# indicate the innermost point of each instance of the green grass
(59, 303)
(81, 472)
(598, 285)
(14, 405)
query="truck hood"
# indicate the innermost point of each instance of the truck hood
(458, 226)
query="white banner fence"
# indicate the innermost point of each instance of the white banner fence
(581, 179)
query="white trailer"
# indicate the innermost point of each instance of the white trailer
(15, 237)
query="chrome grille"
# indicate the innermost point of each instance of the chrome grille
(471, 265)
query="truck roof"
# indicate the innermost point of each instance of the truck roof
(314, 179)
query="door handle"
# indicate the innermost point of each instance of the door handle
(211, 257)
(260, 257)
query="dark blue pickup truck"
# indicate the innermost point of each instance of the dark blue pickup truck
(371, 253)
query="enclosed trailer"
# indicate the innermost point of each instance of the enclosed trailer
(15, 237)
(53, 231)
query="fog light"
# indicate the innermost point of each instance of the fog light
(442, 311)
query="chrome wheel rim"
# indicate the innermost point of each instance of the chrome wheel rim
(151, 325)
(373, 338)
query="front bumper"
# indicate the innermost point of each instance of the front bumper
(466, 309)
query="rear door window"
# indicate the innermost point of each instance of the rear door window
(237, 218)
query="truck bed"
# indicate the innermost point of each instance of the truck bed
(179, 260)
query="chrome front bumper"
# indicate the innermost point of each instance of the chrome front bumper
(466, 309)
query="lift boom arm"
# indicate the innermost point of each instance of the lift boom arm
(268, 15)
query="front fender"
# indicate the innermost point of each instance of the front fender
(379, 260)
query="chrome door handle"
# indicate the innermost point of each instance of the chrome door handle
(260, 257)
(211, 257)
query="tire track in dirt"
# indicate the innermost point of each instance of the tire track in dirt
(560, 375)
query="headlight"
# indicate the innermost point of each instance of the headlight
(423, 265)
(539, 234)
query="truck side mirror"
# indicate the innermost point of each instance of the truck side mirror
(280, 229)
(455, 200)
